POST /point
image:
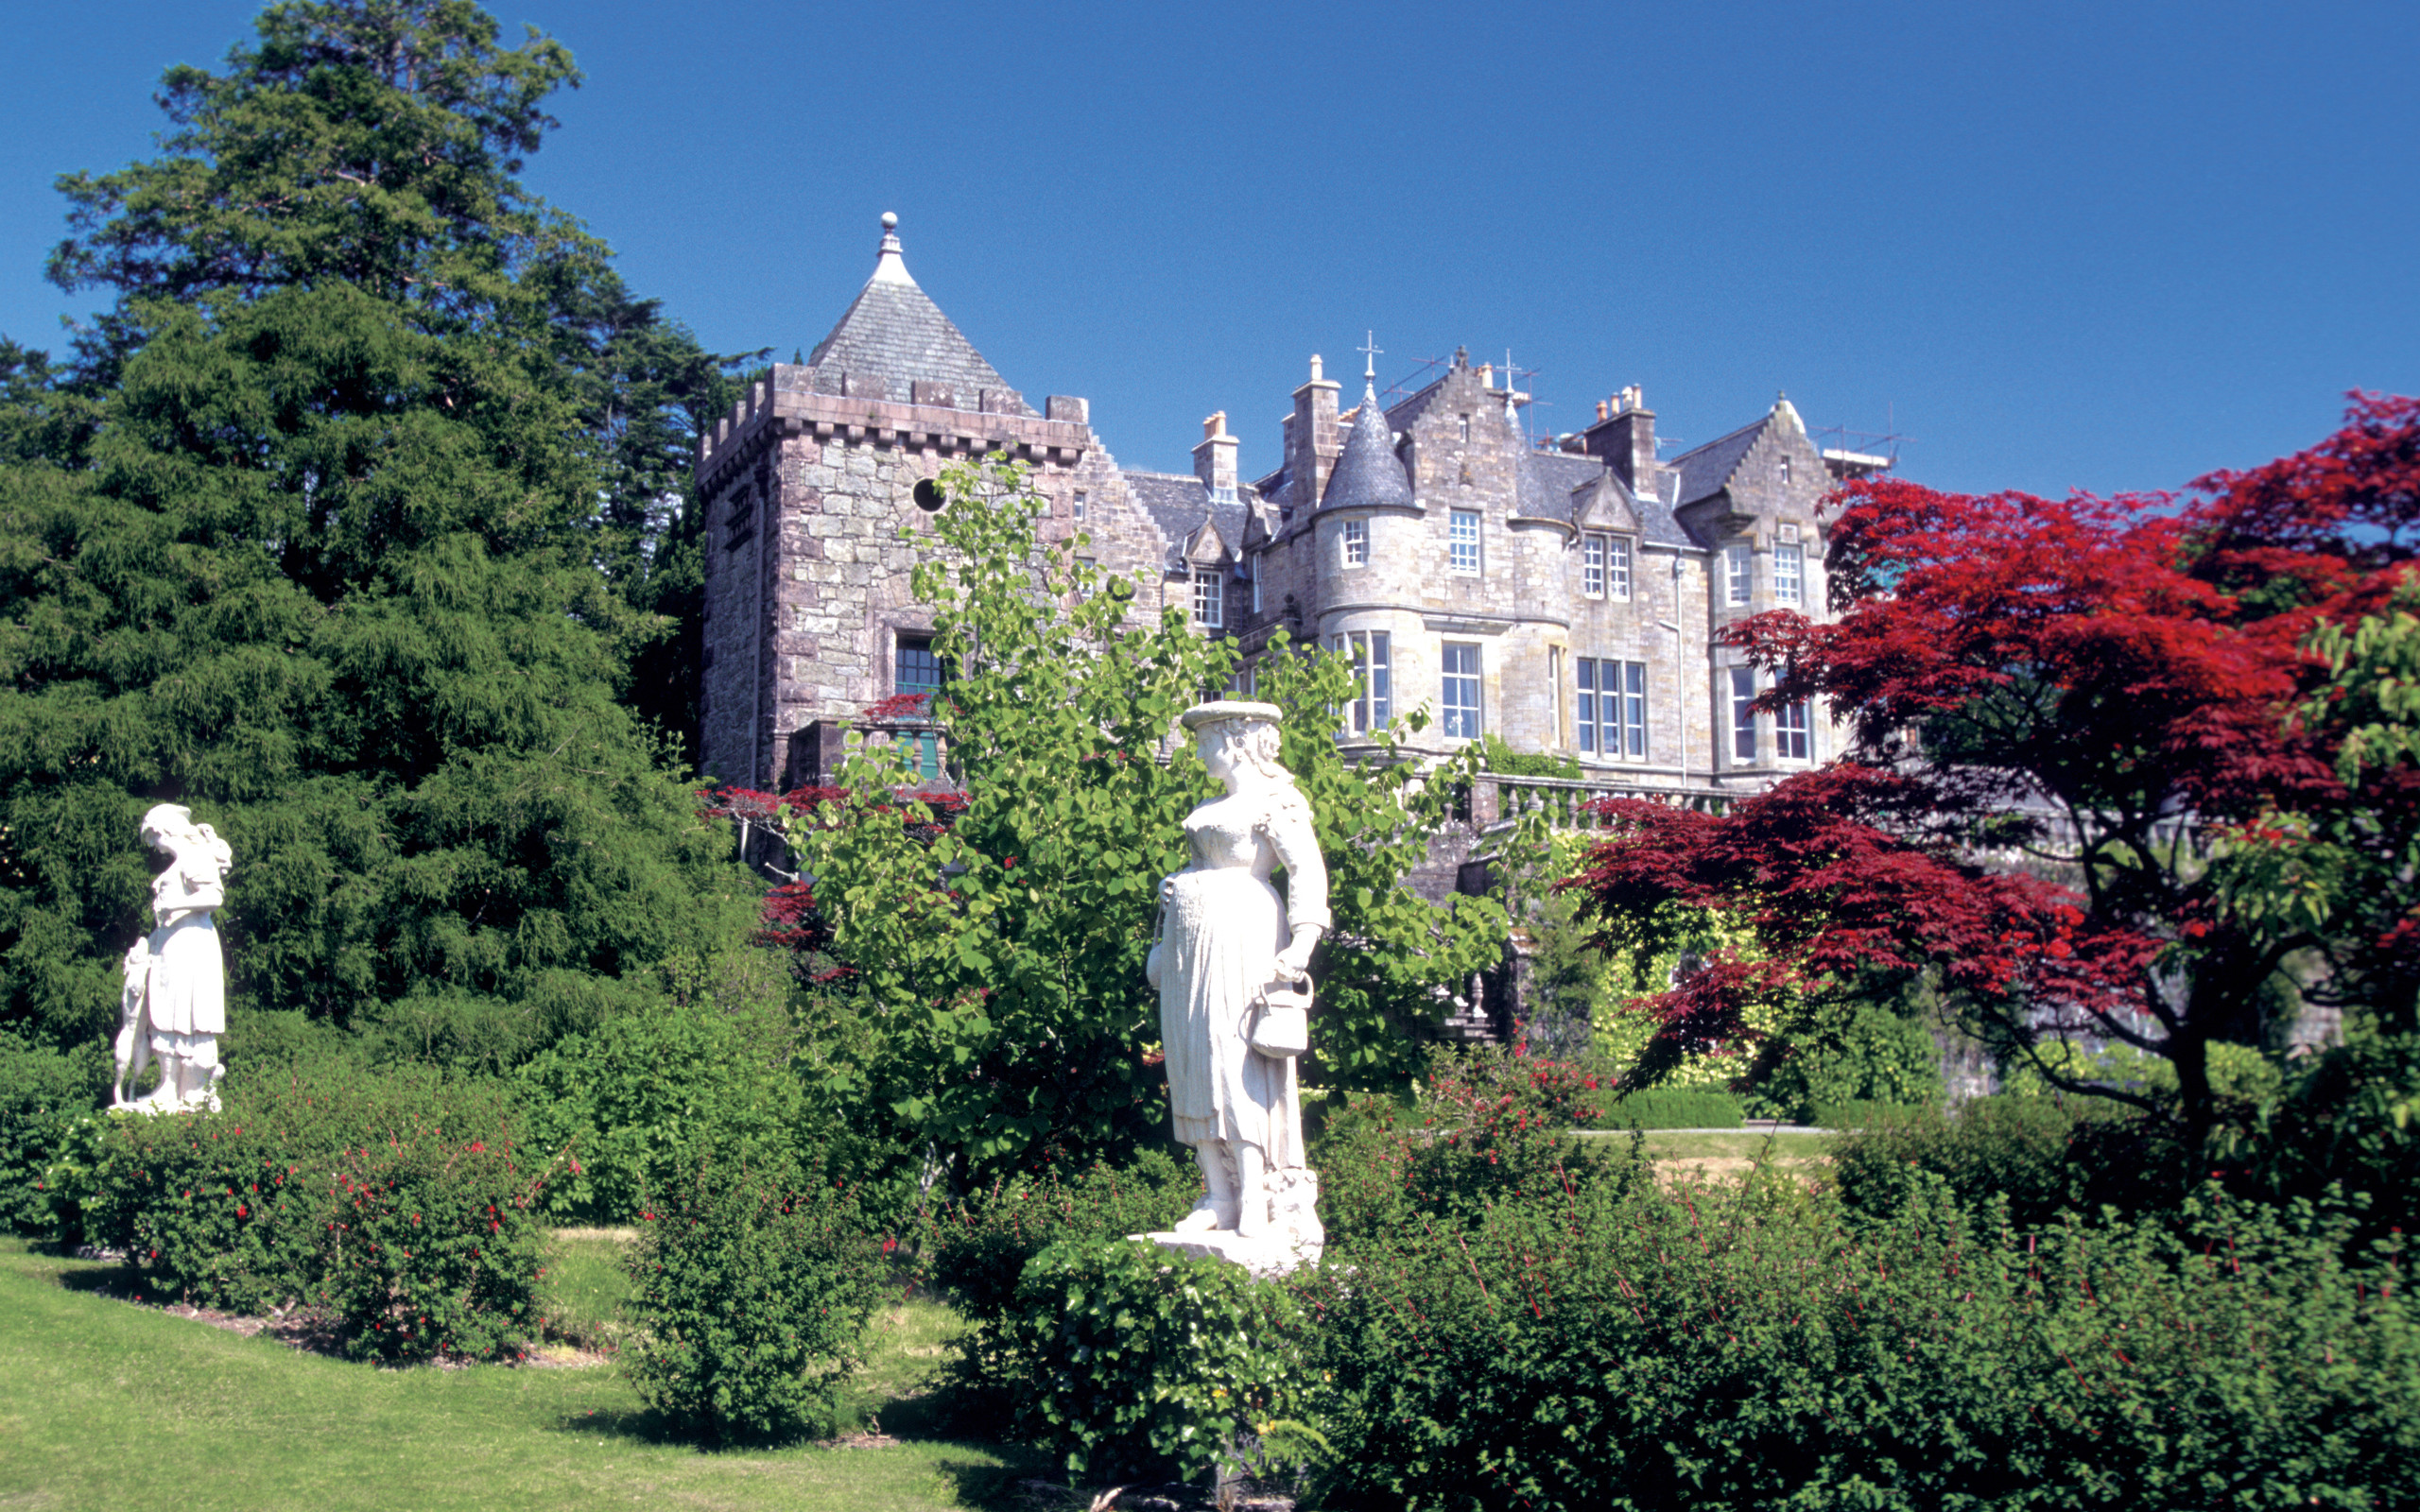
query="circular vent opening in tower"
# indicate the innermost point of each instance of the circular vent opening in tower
(928, 495)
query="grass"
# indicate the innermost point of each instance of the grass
(1725, 1154)
(103, 1403)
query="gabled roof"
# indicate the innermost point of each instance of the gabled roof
(1368, 474)
(1705, 471)
(1181, 505)
(895, 332)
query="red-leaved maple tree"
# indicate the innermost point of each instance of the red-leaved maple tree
(2083, 737)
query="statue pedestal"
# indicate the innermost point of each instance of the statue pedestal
(1267, 1257)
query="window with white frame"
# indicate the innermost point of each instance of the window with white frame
(1617, 569)
(1554, 692)
(1459, 690)
(1462, 542)
(1790, 732)
(1790, 574)
(1256, 590)
(1209, 599)
(1743, 714)
(1739, 567)
(1584, 705)
(1079, 509)
(1357, 543)
(1372, 703)
(1630, 715)
(1592, 566)
(1611, 703)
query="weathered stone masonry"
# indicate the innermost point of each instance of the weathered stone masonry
(810, 482)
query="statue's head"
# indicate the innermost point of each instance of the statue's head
(1236, 735)
(168, 827)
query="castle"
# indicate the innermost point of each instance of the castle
(1563, 594)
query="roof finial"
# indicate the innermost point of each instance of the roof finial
(1370, 352)
(890, 267)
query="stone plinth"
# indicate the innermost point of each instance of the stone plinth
(1267, 1257)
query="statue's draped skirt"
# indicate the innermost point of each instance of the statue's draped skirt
(188, 988)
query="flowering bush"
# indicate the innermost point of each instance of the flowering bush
(754, 1288)
(396, 1200)
(1487, 1125)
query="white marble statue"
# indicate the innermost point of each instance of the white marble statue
(1232, 967)
(175, 1000)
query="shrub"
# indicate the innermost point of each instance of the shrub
(1487, 1125)
(1675, 1107)
(396, 1200)
(434, 1249)
(977, 1248)
(1867, 1114)
(1144, 1361)
(42, 1092)
(755, 1290)
(1861, 1051)
(2015, 1148)
(645, 1097)
(1639, 1347)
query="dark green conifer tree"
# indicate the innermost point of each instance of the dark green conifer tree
(342, 528)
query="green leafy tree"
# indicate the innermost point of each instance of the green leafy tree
(308, 537)
(1000, 946)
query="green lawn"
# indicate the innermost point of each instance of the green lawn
(1727, 1152)
(103, 1403)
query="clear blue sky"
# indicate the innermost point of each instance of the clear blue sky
(2104, 246)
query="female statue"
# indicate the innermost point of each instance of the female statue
(1227, 946)
(184, 992)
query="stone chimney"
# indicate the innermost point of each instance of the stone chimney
(1312, 440)
(1214, 459)
(1624, 438)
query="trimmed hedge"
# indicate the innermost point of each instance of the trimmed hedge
(1668, 1108)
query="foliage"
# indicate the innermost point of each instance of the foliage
(2099, 690)
(1631, 1347)
(394, 1201)
(2238, 1073)
(1487, 1125)
(309, 538)
(43, 1092)
(976, 1248)
(1673, 1108)
(1499, 757)
(1140, 1358)
(2344, 1118)
(1000, 947)
(1846, 1050)
(754, 1286)
(2034, 1155)
(640, 1101)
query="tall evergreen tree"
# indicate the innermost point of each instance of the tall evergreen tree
(309, 537)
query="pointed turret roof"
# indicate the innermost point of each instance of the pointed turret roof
(1369, 474)
(896, 332)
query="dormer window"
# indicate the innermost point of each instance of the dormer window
(1209, 599)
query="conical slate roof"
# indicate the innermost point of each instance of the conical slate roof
(1368, 474)
(895, 332)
